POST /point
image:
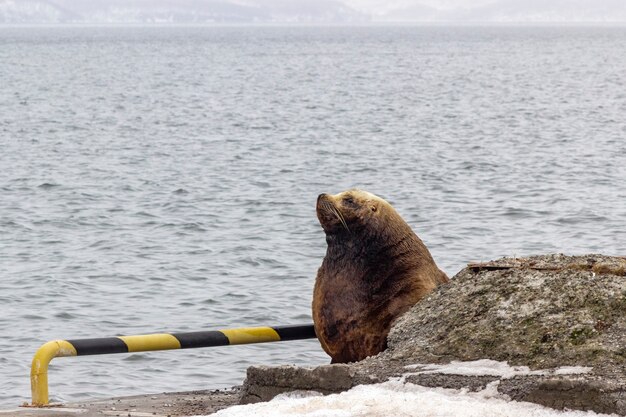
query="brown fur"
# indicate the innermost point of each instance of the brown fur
(375, 269)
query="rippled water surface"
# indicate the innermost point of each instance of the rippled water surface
(164, 179)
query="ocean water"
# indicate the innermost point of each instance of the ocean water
(162, 179)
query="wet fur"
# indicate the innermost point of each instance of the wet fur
(374, 270)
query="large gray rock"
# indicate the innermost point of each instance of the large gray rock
(542, 312)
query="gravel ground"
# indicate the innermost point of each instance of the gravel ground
(176, 404)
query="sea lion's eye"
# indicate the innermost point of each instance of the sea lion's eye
(348, 200)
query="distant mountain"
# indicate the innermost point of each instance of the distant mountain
(516, 11)
(31, 11)
(175, 11)
(331, 11)
(307, 11)
(547, 11)
(412, 13)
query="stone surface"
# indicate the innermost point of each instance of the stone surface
(594, 392)
(543, 312)
(265, 382)
(156, 405)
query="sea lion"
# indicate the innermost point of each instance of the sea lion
(374, 270)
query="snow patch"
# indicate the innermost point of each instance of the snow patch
(572, 370)
(395, 398)
(488, 367)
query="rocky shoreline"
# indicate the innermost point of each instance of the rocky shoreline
(543, 313)
(548, 329)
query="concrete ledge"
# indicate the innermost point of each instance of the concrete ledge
(263, 382)
(572, 393)
(575, 392)
(157, 405)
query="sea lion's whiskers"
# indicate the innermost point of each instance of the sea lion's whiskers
(330, 208)
(341, 219)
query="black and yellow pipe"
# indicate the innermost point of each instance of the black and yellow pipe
(150, 342)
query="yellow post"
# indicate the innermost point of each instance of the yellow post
(39, 368)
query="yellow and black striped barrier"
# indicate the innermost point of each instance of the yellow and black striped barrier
(150, 342)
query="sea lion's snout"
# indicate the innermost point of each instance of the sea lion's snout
(322, 204)
(329, 215)
(325, 212)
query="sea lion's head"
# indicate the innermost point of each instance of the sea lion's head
(346, 214)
